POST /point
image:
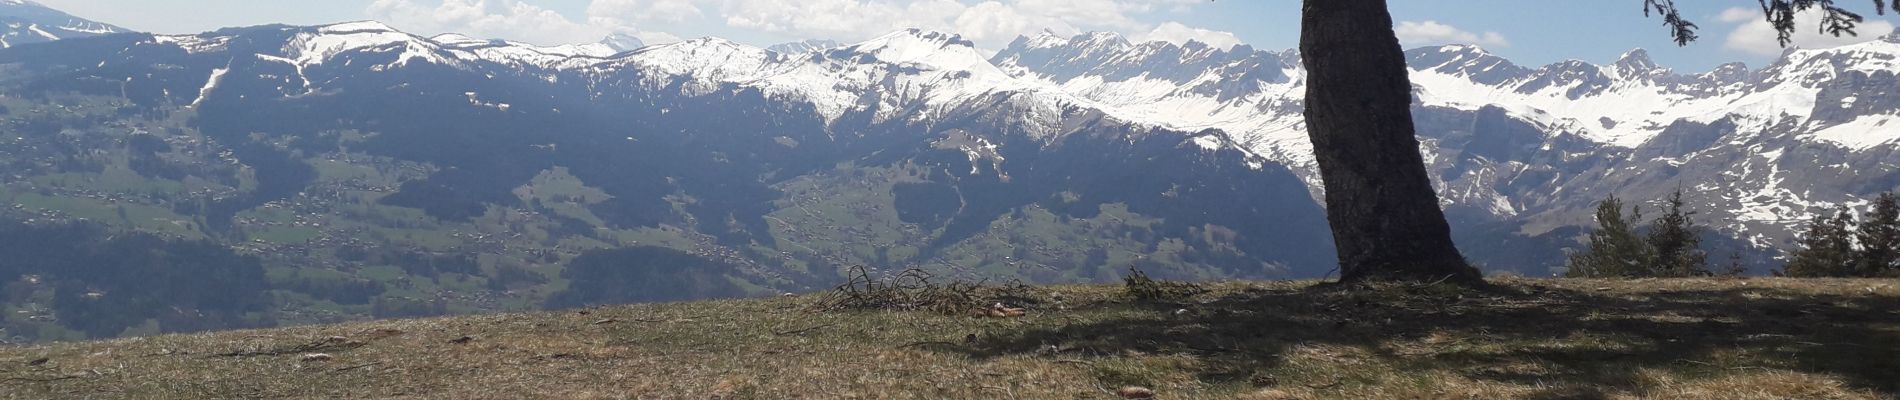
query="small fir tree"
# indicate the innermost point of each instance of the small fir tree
(1879, 238)
(1615, 248)
(1676, 241)
(1735, 266)
(1827, 248)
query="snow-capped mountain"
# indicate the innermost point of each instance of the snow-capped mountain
(527, 54)
(24, 22)
(475, 169)
(622, 42)
(912, 142)
(803, 46)
(1760, 150)
(1519, 152)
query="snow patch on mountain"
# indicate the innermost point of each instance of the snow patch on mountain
(315, 48)
(913, 73)
(803, 47)
(704, 62)
(217, 75)
(1863, 133)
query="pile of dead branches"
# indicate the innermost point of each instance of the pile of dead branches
(917, 290)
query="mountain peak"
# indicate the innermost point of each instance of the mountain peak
(1635, 60)
(357, 27)
(920, 47)
(1892, 37)
(457, 39)
(913, 45)
(1101, 37)
(1100, 40)
(622, 42)
(930, 36)
(1044, 39)
(709, 41)
(803, 46)
(1730, 68)
(1463, 49)
(1635, 63)
(692, 53)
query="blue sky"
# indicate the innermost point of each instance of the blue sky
(1529, 32)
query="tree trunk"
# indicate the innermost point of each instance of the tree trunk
(1379, 198)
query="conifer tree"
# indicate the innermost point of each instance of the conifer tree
(1678, 246)
(1827, 248)
(1735, 266)
(1615, 248)
(1879, 238)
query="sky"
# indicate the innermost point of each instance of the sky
(1527, 32)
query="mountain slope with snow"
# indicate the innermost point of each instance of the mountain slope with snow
(1523, 151)
(26, 22)
(1538, 145)
(910, 149)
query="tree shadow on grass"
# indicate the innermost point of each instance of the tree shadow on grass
(1582, 341)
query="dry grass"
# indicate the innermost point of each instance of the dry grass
(1697, 338)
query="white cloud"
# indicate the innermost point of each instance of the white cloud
(1435, 33)
(627, 12)
(990, 23)
(517, 20)
(482, 18)
(839, 18)
(1758, 38)
(1181, 34)
(987, 22)
(1738, 14)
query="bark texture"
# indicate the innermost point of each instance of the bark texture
(1385, 216)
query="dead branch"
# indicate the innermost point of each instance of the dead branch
(799, 331)
(926, 343)
(325, 345)
(917, 290)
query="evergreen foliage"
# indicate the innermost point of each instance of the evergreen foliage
(1879, 238)
(1616, 250)
(101, 283)
(644, 274)
(1671, 246)
(1827, 247)
(1676, 241)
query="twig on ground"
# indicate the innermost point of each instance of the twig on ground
(329, 344)
(798, 331)
(1334, 384)
(654, 320)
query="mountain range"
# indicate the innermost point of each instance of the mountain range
(1757, 151)
(24, 22)
(373, 172)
